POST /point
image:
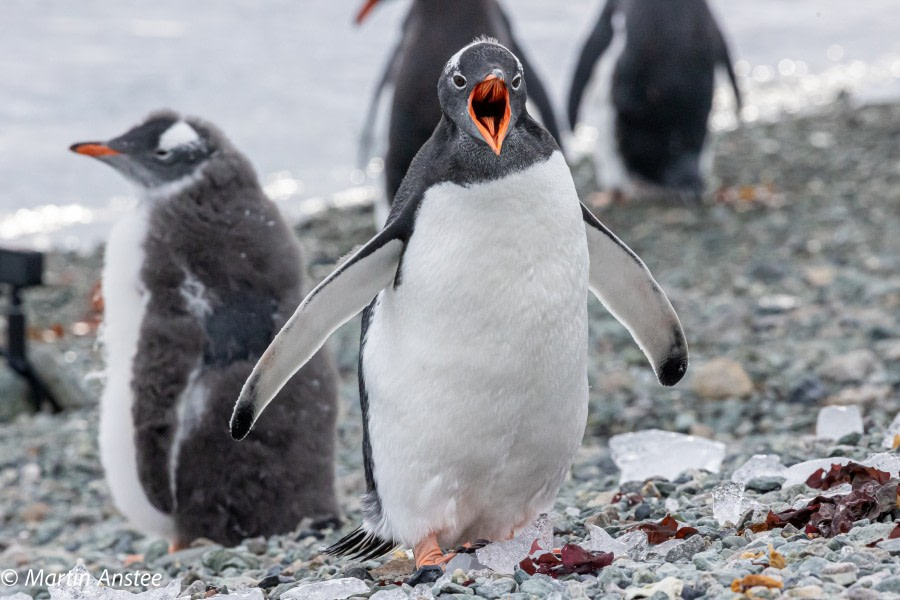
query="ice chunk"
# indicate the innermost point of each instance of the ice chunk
(464, 562)
(834, 422)
(332, 589)
(759, 465)
(644, 454)
(504, 557)
(727, 499)
(891, 433)
(633, 544)
(884, 461)
(800, 472)
(78, 584)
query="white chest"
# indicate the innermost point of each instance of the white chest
(479, 355)
(125, 303)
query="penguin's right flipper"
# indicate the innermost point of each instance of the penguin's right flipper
(331, 304)
(624, 285)
(597, 43)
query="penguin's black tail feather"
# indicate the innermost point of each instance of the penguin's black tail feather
(361, 545)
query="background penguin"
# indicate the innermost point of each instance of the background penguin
(473, 364)
(656, 79)
(196, 282)
(432, 31)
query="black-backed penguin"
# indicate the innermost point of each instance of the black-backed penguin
(432, 32)
(196, 283)
(473, 361)
(655, 82)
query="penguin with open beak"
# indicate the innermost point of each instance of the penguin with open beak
(473, 358)
(196, 282)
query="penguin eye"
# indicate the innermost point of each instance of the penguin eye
(162, 154)
(516, 82)
(459, 81)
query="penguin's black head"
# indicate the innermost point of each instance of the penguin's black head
(482, 89)
(165, 148)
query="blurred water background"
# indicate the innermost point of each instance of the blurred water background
(289, 82)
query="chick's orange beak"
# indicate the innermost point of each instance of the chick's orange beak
(489, 110)
(93, 149)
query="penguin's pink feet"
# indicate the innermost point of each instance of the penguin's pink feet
(428, 553)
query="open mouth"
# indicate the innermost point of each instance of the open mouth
(489, 109)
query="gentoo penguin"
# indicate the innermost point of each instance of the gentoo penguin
(656, 82)
(196, 283)
(432, 31)
(473, 360)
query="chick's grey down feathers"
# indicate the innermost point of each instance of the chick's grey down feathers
(223, 233)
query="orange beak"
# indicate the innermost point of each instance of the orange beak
(93, 149)
(365, 10)
(489, 110)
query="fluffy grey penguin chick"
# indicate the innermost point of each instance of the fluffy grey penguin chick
(473, 358)
(196, 283)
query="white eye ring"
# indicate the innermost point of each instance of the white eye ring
(516, 82)
(160, 153)
(459, 81)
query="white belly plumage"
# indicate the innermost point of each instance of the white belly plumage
(125, 304)
(475, 365)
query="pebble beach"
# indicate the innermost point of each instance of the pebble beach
(786, 277)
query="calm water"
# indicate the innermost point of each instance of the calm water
(289, 81)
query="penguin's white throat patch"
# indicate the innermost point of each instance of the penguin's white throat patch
(489, 110)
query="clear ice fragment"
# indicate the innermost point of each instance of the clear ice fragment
(759, 465)
(332, 589)
(644, 454)
(891, 433)
(727, 499)
(834, 422)
(504, 557)
(884, 461)
(632, 544)
(800, 472)
(601, 541)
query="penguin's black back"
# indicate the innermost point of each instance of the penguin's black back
(663, 88)
(662, 85)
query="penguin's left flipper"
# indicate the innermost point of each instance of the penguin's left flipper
(624, 285)
(331, 304)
